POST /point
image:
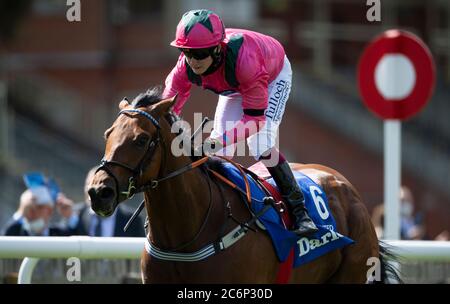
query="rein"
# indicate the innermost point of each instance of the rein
(211, 249)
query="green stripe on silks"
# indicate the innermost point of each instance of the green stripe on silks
(233, 47)
(191, 18)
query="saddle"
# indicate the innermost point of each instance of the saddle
(256, 175)
(259, 185)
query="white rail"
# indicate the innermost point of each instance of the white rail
(433, 251)
(84, 247)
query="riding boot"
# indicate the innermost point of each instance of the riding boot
(293, 196)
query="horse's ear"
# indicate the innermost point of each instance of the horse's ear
(165, 105)
(124, 103)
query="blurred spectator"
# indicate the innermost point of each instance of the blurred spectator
(411, 220)
(378, 220)
(443, 236)
(94, 225)
(32, 218)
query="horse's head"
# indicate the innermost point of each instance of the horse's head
(133, 151)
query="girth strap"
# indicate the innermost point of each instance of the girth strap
(211, 249)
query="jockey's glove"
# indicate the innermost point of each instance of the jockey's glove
(209, 147)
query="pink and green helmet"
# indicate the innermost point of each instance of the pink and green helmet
(199, 29)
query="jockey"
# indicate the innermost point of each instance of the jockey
(252, 76)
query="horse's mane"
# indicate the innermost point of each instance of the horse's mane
(152, 96)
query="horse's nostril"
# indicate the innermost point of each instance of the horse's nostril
(92, 194)
(106, 193)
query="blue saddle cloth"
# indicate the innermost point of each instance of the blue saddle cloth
(306, 249)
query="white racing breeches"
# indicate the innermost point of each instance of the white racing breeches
(229, 109)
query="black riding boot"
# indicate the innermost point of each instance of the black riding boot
(292, 194)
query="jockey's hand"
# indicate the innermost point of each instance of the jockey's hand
(209, 147)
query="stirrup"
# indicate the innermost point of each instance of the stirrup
(307, 232)
(307, 223)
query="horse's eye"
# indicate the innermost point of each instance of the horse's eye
(142, 141)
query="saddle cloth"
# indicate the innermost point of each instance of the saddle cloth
(306, 249)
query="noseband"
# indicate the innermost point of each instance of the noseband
(139, 169)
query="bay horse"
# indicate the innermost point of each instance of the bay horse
(188, 208)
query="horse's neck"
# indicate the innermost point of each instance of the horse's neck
(176, 209)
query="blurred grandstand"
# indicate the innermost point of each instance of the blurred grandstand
(60, 84)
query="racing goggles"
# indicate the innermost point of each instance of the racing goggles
(197, 54)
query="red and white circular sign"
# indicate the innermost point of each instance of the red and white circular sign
(396, 75)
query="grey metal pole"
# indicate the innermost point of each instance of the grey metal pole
(392, 178)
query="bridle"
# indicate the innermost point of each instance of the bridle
(140, 167)
(148, 155)
(172, 254)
